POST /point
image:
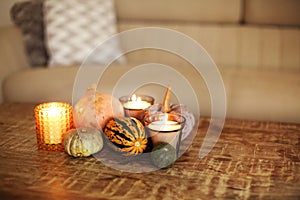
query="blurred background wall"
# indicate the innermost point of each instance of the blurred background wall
(5, 6)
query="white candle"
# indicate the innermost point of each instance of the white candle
(164, 126)
(136, 103)
(53, 117)
(164, 130)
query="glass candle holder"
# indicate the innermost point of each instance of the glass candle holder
(164, 127)
(53, 120)
(135, 105)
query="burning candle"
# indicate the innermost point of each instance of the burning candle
(136, 103)
(134, 106)
(164, 124)
(53, 120)
(165, 127)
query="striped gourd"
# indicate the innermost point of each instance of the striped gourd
(126, 134)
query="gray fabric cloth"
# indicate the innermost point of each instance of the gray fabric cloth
(28, 16)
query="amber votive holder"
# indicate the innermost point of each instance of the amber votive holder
(135, 105)
(53, 120)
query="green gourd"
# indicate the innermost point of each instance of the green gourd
(83, 142)
(163, 155)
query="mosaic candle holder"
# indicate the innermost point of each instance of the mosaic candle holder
(53, 120)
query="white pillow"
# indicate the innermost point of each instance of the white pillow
(75, 27)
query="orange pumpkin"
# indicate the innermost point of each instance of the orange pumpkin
(95, 109)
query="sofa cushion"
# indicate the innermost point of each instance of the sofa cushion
(251, 94)
(28, 16)
(230, 45)
(30, 85)
(12, 47)
(75, 27)
(265, 95)
(180, 10)
(275, 12)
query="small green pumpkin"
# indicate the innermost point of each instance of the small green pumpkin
(163, 155)
(126, 134)
(83, 142)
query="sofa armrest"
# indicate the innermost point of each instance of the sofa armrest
(12, 54)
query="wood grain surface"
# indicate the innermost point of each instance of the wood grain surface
(252, 160)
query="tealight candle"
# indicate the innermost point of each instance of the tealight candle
(136, 103)
(134, 106)
(53, 120)
(165, 127)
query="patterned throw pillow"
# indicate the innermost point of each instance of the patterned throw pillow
(75, 27)
(28, 16)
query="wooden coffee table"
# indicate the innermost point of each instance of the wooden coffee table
(251, 160)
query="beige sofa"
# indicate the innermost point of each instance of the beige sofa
(255, 44)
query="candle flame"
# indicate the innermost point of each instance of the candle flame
(53, 110)
(165, 118)
(133, 97)
(136, 103)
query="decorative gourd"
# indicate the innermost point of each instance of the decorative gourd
(95, 109)
(165, 107)
(83, 142)
(126, 134)
(163, 155)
